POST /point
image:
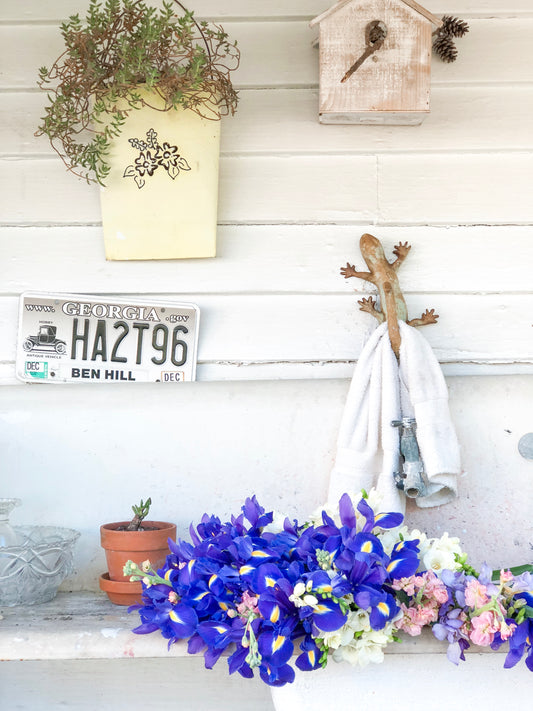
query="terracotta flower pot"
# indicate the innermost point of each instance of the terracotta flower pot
(138, 546)
(121, 592)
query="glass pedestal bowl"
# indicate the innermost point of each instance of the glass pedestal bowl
(34, 560)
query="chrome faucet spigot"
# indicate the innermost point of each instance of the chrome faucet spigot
(411, 478)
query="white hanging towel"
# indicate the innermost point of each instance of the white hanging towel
(381, 391)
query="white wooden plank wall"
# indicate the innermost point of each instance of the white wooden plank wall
(294, 198)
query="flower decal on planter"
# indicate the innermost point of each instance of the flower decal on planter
(152, 155)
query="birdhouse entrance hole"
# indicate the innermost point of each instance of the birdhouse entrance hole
(375, 32)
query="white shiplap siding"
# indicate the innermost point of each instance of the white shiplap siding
(295, 196)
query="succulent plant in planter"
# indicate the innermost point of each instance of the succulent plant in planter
(138, 540)
(127, 56)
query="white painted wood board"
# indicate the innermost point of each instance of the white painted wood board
(466, 188)
(473, 118)
(91, 685)
(320, 328)
(267, 259)
(411, 189)
(280, 53)
(280, 330)
(258, 189)
(87, 626)
(35, 10)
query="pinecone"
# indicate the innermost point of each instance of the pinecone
(445, 48)
(453, 27)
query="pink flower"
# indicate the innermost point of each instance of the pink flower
(425, 615)
(404, 584)
(476, 594)
(483, 629)
(420, 580)
(414, 618)
(506, 630)
(505, 576)
(248, 602)
(407, 624)
(436, 589)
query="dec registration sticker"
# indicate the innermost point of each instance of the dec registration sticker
(77, 338)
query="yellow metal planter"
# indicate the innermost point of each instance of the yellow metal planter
(160, 199)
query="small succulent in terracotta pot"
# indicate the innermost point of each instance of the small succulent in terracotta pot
(138, 540)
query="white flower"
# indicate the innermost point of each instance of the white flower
(299, 589)
(423, 541)
(359, 621)
(453, 545)
(361, 650)
(391, 537)
(310, 600)
(301, 596)
(338, 638)
(364, 650)
(374, 500)
(440, 553)
(438, 560)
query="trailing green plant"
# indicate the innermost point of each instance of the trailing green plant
(123, 44)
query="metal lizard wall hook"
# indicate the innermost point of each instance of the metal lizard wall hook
(382, 274)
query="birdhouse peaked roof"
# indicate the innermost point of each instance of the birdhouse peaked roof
(411, 3)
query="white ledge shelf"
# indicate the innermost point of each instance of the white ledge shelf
(87, 626)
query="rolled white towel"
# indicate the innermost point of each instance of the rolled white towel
(424, 396)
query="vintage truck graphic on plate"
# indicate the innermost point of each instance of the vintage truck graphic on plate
(45, 340)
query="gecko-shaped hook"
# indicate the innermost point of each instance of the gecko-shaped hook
(382, 273)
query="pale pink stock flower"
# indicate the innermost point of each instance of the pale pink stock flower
(436, 589)
(476, 594)
(506, 630)
(483, 629)
(248, 602)
(406, 623)
(426, 615)
(404, 584)
(414, 618)
(505, 576)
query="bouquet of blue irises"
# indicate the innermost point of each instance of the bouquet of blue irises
(343, 585)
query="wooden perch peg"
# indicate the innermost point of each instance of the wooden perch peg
(382, 274)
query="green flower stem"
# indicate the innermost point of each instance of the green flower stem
(253, 658)
(138, 573)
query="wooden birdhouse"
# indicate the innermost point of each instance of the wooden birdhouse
(375, 61)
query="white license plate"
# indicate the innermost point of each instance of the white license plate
(78, 338)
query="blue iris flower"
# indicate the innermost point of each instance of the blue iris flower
(521, 641)
(232, 587)
(309, 659)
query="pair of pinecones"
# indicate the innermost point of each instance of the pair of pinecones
(443, 44)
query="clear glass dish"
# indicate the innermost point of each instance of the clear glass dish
(35, 562)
